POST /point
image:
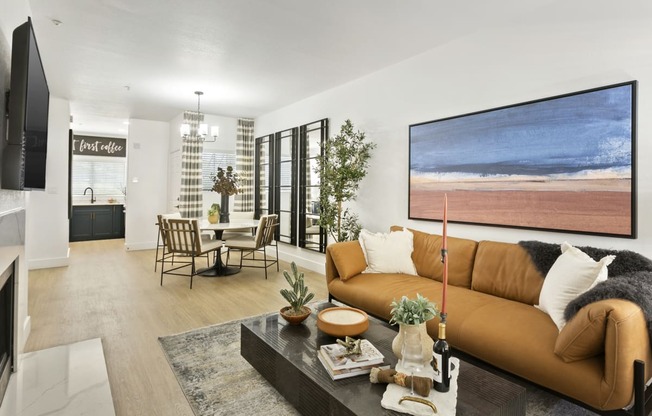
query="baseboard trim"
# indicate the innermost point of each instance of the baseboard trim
(314, 265)
(49, 263)
(147, 245)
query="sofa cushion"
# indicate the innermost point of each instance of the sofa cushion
(348, 258)
(573, 273)
(583, 336)
(388, 253)
(506, 270)
(427, 257)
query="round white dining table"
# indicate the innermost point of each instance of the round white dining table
(219, 268)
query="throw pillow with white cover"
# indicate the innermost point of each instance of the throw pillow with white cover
(388, 253)
(573, 273)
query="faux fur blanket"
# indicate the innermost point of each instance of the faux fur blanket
(629, 277)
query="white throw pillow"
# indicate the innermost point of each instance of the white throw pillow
(573, 273)
(388, 253)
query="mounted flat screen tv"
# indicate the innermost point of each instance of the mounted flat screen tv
(565, 163)
(25, 154)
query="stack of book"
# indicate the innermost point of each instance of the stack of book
(339, 365)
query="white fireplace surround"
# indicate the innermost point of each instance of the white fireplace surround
(12, 249)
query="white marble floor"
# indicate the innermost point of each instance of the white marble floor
(68, 380)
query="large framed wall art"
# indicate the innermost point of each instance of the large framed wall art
(565, 163)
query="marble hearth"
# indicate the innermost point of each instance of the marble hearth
(69, 380)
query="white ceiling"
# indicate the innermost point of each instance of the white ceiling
(120, 59)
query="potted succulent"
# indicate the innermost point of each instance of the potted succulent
(225, 182)
(297, 297)
(214, 214)
(412, 315)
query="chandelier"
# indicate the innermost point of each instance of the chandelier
(202, 128)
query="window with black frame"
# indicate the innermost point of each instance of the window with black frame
(285, 181)
(264, 174)
(312, 137)
(288, 185)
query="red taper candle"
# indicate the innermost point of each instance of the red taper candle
(444, 258)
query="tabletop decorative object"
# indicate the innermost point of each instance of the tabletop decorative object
(342, 321)
(412, 315)
(225, 182)
(297, 312)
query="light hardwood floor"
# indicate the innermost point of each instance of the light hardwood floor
(113, 294)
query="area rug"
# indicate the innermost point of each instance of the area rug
(216, 380)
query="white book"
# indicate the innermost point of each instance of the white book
(335, 355)
(345, 373)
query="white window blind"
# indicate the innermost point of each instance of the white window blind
(106, 175)
(210, 162)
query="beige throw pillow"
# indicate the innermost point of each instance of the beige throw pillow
(388, 253)
(573, 273)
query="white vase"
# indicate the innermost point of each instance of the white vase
(426, 342)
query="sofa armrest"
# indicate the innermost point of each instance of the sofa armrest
(626, 340)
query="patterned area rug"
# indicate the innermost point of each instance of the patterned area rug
(216, 380)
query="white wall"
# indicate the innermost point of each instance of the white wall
(147, 173)
(47, 227)
(564, 47)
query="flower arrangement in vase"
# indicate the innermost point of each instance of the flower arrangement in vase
(225, 182)
(412, 315)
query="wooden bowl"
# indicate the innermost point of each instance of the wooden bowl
(342, 321)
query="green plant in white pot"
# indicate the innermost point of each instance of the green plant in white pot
(412, 315)
(297, 297)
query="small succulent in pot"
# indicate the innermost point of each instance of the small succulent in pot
(412, 311)
(297, 297)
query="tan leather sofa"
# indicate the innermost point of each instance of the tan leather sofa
(492, 289)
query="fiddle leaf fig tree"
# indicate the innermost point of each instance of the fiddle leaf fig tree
(342, 165)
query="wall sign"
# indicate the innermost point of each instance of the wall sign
(99, 146)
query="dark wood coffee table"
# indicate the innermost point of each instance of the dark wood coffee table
(287, 357)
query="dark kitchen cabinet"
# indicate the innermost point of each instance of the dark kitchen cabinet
(96, 222)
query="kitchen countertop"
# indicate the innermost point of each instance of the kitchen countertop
(96, 203)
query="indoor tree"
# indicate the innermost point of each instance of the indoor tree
(342, 165)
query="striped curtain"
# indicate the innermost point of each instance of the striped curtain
(190, 197)
(244, 156)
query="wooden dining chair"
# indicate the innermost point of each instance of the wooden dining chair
(248, 246)
(160, 240)
(183, 238)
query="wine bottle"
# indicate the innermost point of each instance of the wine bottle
(441, 361)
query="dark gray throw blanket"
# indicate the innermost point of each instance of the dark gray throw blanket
(629, 277)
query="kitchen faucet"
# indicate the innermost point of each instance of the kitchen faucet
(92, 198)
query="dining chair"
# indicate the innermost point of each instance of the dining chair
(248, 246)
(183, 237)
(239, 216)
(160, 239)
